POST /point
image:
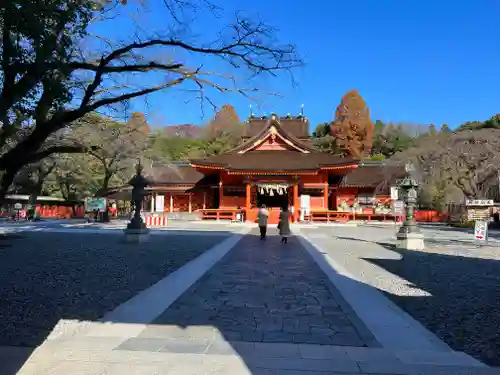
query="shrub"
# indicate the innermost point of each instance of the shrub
(465, 224)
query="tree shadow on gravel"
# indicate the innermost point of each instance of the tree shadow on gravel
(463, 305)
(50, 277)
(261, 292)
(435, 243)
(6, 240)
(492, 232)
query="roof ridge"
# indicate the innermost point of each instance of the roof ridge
(272, 121)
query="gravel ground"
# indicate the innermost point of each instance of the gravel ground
(453, 288)
(45, 277)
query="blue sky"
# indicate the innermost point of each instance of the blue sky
(417, 61)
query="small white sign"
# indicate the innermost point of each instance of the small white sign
(394, 193)
(479, 202)
(398, 207)
(159, 203)
(18, 206)
(481, 230)
(305, 206)
(305, 202)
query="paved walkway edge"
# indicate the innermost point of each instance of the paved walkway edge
(150, 303)
(393, 328)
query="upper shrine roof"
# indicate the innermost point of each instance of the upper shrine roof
(295, 126)
(272, 148)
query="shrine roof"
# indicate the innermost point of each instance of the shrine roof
(274, 161)
(177, 176)
(175, 173)
(373, 175)
(296, 155)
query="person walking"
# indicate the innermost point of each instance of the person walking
(284, 225)
(262, 216)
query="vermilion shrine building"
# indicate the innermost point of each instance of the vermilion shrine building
(275, 165)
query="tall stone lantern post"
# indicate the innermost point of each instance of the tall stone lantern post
(136, 230)
(409, 236)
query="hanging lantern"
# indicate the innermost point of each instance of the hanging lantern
(271, 193)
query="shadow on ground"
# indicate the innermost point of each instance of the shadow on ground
(463, 308)
(260, 292)
(493, 232)
(48, 277)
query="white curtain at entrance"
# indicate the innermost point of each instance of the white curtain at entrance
(272, 189)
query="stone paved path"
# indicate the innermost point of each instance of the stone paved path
(260, 292)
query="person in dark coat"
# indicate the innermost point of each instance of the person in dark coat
(284, 225)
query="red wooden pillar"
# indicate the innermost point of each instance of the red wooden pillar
(248, 196)
(295, 202)
(325, 196)
(221, 194)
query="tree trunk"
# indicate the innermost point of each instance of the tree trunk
(105, 181)
(37, 191)
(6, 181)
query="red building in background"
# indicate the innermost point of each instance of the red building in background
(274, 165)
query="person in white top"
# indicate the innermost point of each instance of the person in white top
(262, 221)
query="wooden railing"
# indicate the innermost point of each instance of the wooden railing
(327, 216)
(314, 216)
(431, 216)
(220, 214)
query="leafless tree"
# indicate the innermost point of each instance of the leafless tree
(49, 81)
(468, 160)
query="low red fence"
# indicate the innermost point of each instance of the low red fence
(426, 216)
(61, 211)
(431, 216)
(51, 211)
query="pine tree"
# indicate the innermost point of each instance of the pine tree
(352, 126)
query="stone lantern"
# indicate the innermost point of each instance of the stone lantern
(409, 236)
(136, 230)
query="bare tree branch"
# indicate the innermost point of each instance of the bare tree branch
(56, 82)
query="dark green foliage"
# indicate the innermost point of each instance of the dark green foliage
(322, 130)
(445, 129)
(324, 141)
